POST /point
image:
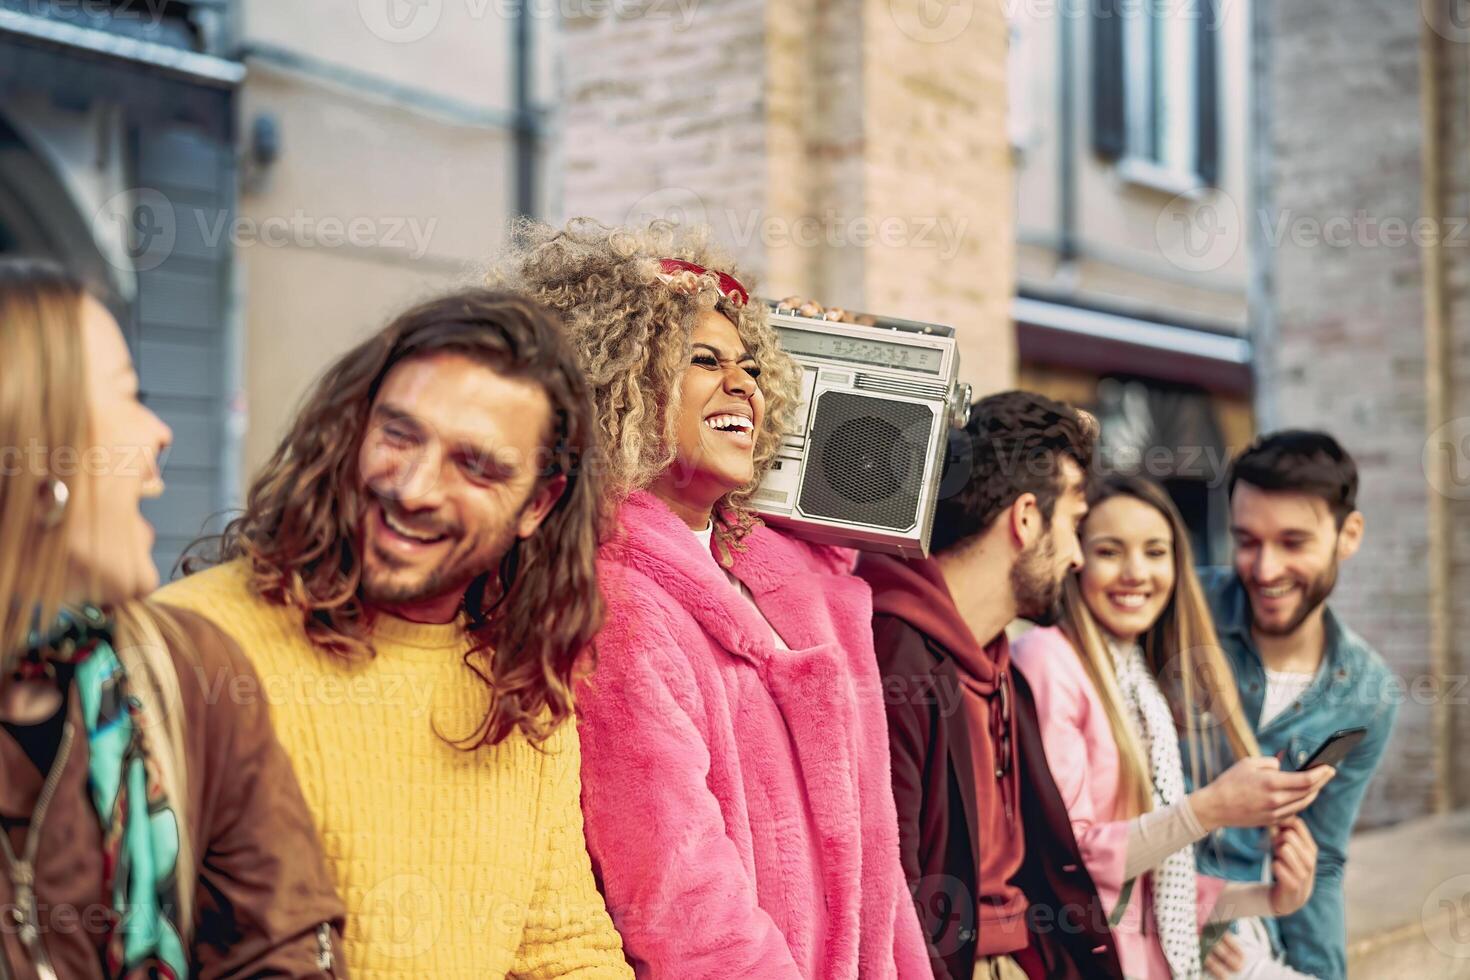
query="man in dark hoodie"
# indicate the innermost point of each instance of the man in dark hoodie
(986, 841)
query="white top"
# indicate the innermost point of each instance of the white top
(1282, 690)
(706, 538)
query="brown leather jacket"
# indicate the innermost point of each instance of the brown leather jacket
(264, 902)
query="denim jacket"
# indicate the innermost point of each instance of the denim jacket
(1352, 688)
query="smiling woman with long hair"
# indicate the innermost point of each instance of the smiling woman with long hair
(163, 819)
(736, 782)
(1133, 670)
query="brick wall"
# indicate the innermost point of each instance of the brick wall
(1346, 136)
(857, 154)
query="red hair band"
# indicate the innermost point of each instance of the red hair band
(730, 287)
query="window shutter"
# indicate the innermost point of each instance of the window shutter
(1207, 109)
(1109, 121)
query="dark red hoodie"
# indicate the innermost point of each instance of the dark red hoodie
(915, 593)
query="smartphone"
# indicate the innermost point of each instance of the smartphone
(1336, 748)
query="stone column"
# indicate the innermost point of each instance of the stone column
(856, 153)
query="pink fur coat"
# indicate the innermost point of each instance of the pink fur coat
(737, 796)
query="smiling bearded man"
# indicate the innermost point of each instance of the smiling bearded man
(1302, 672)
(414, 578)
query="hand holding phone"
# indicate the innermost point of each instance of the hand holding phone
(1335, 748)
(1255, 792)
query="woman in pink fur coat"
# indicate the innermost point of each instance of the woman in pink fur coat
(735, 775)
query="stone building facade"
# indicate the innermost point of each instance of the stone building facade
(853, 153)
(1362, 273)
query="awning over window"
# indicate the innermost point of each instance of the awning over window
(78, 65)
(1101, 342)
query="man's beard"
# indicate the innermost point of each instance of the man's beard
(1313, 596)
(383, 586)
(1036, 583)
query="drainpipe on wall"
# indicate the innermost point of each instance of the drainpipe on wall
(527, 125)
(1067, 140)
(1261, 290)
(1437, 361)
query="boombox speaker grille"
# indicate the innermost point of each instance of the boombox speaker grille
(866, 459)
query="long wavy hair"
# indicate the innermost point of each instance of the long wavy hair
(44, 403)
(530, 618)
(1183, 653)
(631, 331)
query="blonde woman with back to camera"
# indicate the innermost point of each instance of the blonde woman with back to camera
(1133, 670)
(147, 828)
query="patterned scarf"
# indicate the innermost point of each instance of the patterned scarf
(140, 830)
(1175, 892)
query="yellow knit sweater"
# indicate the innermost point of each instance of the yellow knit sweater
(453, 864)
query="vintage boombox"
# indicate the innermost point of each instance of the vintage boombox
(860, 466)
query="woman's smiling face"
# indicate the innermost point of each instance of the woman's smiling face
(722, 409)
(1128, 572)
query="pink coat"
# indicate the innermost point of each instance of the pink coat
(738, 802)
(1083, 756)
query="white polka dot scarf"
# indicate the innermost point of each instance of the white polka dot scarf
(1174, 889)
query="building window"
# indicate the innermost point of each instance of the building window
(1154, 92)
(1020, 116)
(1160, 49)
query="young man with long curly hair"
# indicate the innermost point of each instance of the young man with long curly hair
(414, 579)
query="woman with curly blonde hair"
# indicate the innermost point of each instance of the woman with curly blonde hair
(736, 787)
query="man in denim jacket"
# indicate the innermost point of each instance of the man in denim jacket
(1303, 674)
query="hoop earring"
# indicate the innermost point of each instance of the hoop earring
(60, 496)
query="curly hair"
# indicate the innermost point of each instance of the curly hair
(632, 331)
(530, 619)
(1013, 443)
